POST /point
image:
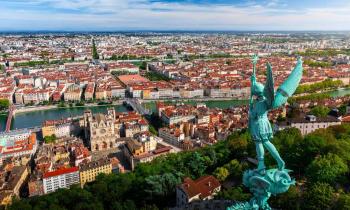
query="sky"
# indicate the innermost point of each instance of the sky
(212, 15)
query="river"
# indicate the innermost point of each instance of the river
(36, 118)
(340, 92)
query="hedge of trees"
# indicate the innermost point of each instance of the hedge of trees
(312, 63)
(319, 162)
(320, 111)
(326, 84)
(129, 57)
(309, 97)
(41, 63)
(324, 53)
(50, 139)
(155, 76)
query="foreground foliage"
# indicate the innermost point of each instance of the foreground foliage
(319, 162)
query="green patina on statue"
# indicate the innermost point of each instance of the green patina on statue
(261, 182)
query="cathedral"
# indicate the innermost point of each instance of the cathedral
(100, 130)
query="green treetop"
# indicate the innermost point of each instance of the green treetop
(326, 169)
(4, 104)
(94, 51)
(320, 111)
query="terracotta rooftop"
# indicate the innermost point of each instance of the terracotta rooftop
(60, 172)
(204, 186)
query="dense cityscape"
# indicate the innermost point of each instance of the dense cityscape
(158, 120)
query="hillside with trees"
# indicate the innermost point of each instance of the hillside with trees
(319, 162)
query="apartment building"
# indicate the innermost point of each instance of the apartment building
(89, 171)
(118, 92)
(59, 128)
(307, 124)
(73, 93)
(172, 136)
(61, 178)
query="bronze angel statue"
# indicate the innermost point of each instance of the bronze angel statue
(263, 98)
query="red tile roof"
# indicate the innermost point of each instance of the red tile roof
(60, 172)
(130, 79)
(203, 186)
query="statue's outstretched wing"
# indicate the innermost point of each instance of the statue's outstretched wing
(289, 86)
(269, 91)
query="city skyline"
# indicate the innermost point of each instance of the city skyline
(153, 104)
(221, 15)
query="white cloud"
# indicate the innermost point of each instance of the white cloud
(140, 14)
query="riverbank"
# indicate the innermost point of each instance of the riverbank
(211, 102)
(191, 99)
(53, 107)
(37, 117)
(27, 109)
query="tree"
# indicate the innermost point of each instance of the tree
(287, 143)
(234, 194)
(151, 185)
(326, 169)
(319, 196)
(196, 164)
(50, 139)
(152, 130)
(61, 104)
(320, 111)
(154, 76)
(234, 168)
(343, 202)
(342, 109)
(94, 50)
(306, 150)
(143, 65)
(4, 104)
(221, 173)
(238, 143)
(328, 83)
(288, 200)
(162, 185)
(4, 55)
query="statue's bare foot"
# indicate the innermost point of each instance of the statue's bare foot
(262, 171)
(281, 165)
(261, 168)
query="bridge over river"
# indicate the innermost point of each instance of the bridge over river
(136, 105)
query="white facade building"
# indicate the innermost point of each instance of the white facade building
(308, 124)
(172, 136)
(61, 178)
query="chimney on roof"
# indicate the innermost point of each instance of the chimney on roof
(209, 183)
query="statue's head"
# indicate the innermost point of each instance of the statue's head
(258, 89)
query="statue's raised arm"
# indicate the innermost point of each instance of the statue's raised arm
(289, 86)
(253, 79)
(269, 90)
